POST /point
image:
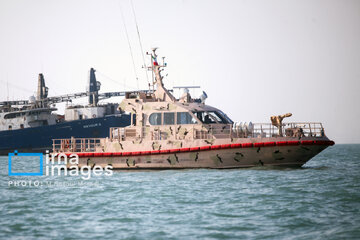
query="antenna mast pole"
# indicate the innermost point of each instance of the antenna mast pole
(161, 92)
(152, 72)
(7, 86)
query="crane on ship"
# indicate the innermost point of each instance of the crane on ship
(42, 100)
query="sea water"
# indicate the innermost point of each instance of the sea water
(318, 201)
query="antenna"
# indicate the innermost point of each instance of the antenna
(7, 86)
(141, 47)
(128, 40)
(152, 72)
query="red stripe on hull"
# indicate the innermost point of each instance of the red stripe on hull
(205, 148)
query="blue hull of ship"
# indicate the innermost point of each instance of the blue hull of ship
(39, 139)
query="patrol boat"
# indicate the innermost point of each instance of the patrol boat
(170, 133)
(30, 125)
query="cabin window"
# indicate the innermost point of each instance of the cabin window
(216, 116)
(14, 115)
(212, 117)
(134, 119)
(155, 119)
(226, 117)
(204, 117)
(185, 118)
(169, 118)
(10, 115)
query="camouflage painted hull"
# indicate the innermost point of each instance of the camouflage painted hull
(170, 133)
(218, 156)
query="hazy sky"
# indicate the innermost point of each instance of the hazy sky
(253, 58)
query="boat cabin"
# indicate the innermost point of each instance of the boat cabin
(160, 116)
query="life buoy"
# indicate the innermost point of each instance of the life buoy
(94, 115)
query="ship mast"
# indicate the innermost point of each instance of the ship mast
(42, 91)
(161, 92)
(94, 87)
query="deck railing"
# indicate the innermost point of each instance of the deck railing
(258, 130)
(76, 144)
(291, 129)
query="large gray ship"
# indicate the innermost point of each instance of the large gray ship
(30, 125)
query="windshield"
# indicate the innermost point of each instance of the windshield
(212, 117)
(226, 117)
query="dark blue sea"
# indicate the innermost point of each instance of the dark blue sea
(318, 201)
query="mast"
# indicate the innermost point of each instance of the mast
(161, 92)
(42, 91)
(94, 87)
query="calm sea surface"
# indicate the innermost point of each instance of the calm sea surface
(319, 201)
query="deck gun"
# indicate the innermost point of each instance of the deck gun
(277, 121)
